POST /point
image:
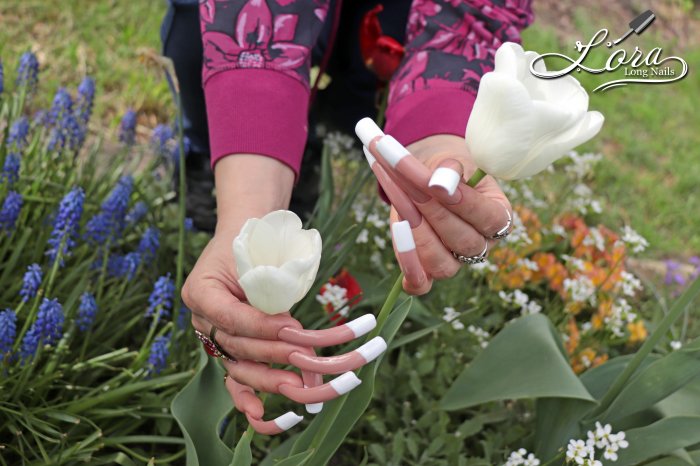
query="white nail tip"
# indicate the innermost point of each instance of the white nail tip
(373, 348)
(366, 129)
(368, 155)
(403, 238)
(313, 408)
(362, 325)
(288, 420)
(344, 383)
(391, 150)
(446, 178)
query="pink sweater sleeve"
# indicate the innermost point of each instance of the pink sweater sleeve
(450, 44)
(256, 75)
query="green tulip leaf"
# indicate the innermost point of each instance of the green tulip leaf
(525, 360)
(657, 381)
(660, 438)
(199, 409)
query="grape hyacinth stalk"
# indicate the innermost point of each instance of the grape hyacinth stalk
(108, 224)
(149, 244)
(46, 330)
(11, 207)
(158, 356)
(31, 282)
(86, 311)
(160, 137)
(16, 141)
(127, 128)
(65, 225)
(161, 299)
(28, 72)
(136, 213)
(8, 331)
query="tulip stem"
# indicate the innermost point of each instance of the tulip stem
(388, 306)
(478, 175)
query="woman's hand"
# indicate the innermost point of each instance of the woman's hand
(252, 339)
(453, 217)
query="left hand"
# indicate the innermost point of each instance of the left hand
(463, 222)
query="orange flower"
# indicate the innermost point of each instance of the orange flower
(587, 359)
(638, 332)
(574, 336)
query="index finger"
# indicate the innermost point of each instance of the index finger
(215, 303)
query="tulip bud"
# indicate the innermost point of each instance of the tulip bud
(276, 260)
(520, 124)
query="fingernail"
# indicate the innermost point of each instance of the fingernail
(403, 238)
(368, 155)
(362, 325)
(313, 408)
(445, 178)
(366, 129)
(344, 383)
(372, 349)
(391, 150)
(288, 420)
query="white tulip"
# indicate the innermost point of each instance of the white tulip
(277, 260)
(520, 124)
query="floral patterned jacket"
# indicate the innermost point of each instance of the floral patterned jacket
(257, 55)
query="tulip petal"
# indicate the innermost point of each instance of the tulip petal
(270, 289)
(305, 270)
(500, 129)
(509, 60)
(548, 151)
(240, 248)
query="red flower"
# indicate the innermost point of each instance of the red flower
(381, 54)
(352, 296)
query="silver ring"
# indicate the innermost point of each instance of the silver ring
(478, 259)
(505, 231)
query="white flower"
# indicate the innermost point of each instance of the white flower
(634, 240)
(483, 267)
(610, 453)
(581, 289)
(676, 345)
(363, 237)
(276, 260)
(594, 238)
(451, 316)
(630, 284)
(531, 460)
(336, 296)
(582, 165)
(481, 335)
(577, 451)
(522, 457)
(520, 124)
(379, 241)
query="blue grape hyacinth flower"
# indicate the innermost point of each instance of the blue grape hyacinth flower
(149, 244)
(109, 223)
(160, 137)
(17, 137)
(161, 299)
(46, 329)
(9, 213)
(10, 169)
(65, 225)
(136, 213)
(158, 356)
(127, 128)
(124, 266)
(28, 71)
(31, 282)
(85, 99)
(8, 331)
(62, 105)
(86, 311)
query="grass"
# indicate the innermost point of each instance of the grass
(102, 39)
(650, 139)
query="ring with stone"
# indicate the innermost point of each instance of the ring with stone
(479, 258)
(222, 353)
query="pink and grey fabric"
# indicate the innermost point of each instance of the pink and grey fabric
(257, 55)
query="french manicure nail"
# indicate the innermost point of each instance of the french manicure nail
(344, 383)
(445, 178)
(366, 129)
(391, 150)
(372, 349)
(362, 325)
(277, 425)
(368, 155)
(313, 408)
(288, 420)
(403, 237)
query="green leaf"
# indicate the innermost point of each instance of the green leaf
(242, 455)
(328, 430)
(199, 409)
(660, 438)
(684, 402)
(525, 360)
(557, 421)
(299, 459)
(657, 381)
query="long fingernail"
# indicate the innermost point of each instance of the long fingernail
(288, 420)
(366, 129)
(446, 178)
(313, 408)
(277, 425)
(408, 256)
(362, 325)
(372, 349)
(344, 383)
(391, 150)
(368, 155)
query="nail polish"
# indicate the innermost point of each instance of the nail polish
(366, 129)
(344, 383)
(288, 420)
(402, 236)
(391, 150)
(372, 349)
(446, 178)
(362, 325)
